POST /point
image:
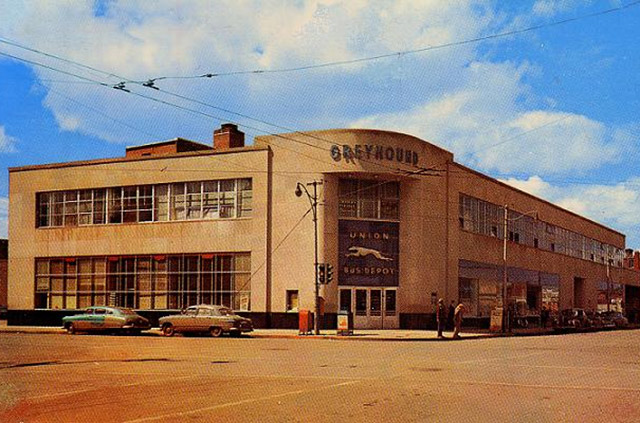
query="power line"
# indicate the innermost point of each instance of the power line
(420, 171)
(122, 87)
(151, 81)
(101, 113)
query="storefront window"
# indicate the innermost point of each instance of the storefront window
(468, 295)
(144, 282)
(550, 291)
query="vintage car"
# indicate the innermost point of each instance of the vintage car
(614, 319)
(106, 319)
(212, 319)
(574, 318)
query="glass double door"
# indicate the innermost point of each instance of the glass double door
(371, 307)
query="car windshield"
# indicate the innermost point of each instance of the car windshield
(225, 312)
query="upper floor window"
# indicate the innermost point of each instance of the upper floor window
(229, 198)
(479, 216)
(368, 199)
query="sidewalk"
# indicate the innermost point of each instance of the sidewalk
(360, 334)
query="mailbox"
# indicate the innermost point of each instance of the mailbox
(305, 322)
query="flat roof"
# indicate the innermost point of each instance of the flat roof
(211, 152)
(175, 140)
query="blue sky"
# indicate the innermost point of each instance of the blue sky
(554, 111)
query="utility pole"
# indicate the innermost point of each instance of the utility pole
(505, 311)
(313, 200)
(505, 236)
(608, 283)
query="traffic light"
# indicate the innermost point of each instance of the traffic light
(321, 273)
(328, 273)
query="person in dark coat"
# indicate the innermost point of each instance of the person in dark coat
(452, 309)
(441, 317)
(457, 317)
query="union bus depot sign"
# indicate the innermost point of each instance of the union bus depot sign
(368, 253)
(373, 152)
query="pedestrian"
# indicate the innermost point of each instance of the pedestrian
(457, 317)
(544, 317)
(452, 309)
(441, 317)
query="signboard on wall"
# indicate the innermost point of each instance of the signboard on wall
(368, 253)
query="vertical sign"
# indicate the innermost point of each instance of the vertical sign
(368, 253)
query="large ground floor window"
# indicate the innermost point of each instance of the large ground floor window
(162, 281)
(480, 289)
(610, 296)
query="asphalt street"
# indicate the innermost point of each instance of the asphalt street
(590, 377)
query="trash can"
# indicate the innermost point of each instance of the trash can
(305, 322)
(345, 323)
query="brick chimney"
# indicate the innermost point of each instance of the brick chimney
(227, 136)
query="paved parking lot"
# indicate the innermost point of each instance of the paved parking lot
(579, 377)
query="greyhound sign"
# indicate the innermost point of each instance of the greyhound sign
(368, 253)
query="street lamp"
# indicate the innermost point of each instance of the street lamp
(313, 200)
(505, 235)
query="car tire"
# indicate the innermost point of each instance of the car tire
(168, 330)
(71, 329)
(215, 331)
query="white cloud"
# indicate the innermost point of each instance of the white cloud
(553, 7)
(7, 142)
(68, 122)
(485, 122)
(617, 205)
(140, 40)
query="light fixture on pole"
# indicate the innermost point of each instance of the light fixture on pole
(313, 201)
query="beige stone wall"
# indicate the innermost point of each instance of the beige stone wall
(422, 207)
(484, 249)
(242, 235)
(431, 241)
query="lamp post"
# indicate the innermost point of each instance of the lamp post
(313, 200)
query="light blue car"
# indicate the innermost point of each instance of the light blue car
(106, 319)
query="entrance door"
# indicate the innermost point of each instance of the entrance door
(373, 308)
(579, 292)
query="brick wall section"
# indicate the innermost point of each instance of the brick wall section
(3, 282)
(165, 148)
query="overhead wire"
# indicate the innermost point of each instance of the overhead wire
(122, 87)
(401, 53)
(197, 112)
(150, 83)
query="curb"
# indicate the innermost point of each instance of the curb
(332, 337)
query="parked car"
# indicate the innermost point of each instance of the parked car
(614, 319)
(204, 318)
(106, 319)
(595, 319)
(575, 318)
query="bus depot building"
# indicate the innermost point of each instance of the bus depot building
(177, 223)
